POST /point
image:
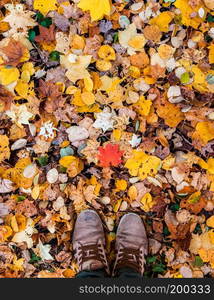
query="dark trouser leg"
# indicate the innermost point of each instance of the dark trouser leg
(92, 274)
(125, 273)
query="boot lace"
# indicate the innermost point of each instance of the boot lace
(132, 258)
(92, 252)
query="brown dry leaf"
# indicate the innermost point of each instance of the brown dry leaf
(6, 99)
(15, 52)
(196, 207)
(178, 231)
(48, 90)
(152, 32)
(46, 34)
(140, 60)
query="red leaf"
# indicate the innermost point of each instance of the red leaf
(46, 34)
(110, 155)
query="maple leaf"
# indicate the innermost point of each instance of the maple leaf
(15, 53)
(110, 155)
(97, 8)
(46, 34)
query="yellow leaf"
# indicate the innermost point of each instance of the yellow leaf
(16, 174)
(103, 65)
(207, 256)
(142, 164)
(170, 113)
(22, 88)
(168, 163)
(143, 106)
(121, 184)
(199, 82)
(132, 193)
(35, 192)
(187, 11)
(117, 134)
(77, 69)
(210, 164)
(67, 160)
(4, 148)
(163, 20)
(17, 264)
(211, 54)
(14, 224)
(203, 255)
(147, 202)
(21, 221)
(210, 222)
(117, 205)
(106, 52)
(88, 98)
(98, 8)
(5, 233)
(75, 167)
(202, 164)
(88, 82)
(44, 6)
(73, 164)
(205, 131)
(8, 75)
(211, 236)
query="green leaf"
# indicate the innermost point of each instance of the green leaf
(198, 261)
(54, 56)
(159, 268)
(21, 198)
(62, 169)
(210, 79)
(185, 78)
(197, 229)
(116, 37)
(210, 18)
(34, 258)
(174, 207)
(151, 259)
(166, 231)
(39, 17)
(31, 35)
(43, 160)
(46, 22)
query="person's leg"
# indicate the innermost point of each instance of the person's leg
(131, 246)
(89, 246)
(92, 274)
(128, 273)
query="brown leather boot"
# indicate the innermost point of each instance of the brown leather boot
(131, 244)
(89, 242)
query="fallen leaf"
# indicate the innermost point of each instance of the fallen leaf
(98, 8)
(110, 155)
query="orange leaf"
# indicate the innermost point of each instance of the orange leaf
(110, 155)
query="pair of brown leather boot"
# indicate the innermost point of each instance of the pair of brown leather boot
(89, 243)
